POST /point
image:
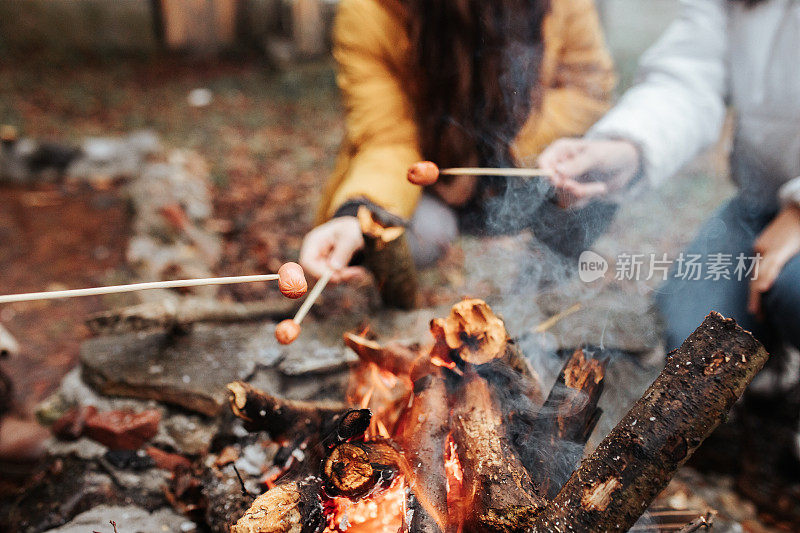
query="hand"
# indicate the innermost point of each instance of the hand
(587, 169)
(778, 243)
(455, 191)
(331, 246)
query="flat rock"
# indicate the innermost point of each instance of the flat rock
(188, 370)
(129, 519)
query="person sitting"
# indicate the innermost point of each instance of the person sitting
(462, 84)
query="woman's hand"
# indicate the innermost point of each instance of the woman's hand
(778, 243)
(587, 169)
(331, 246)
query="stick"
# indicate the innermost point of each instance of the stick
(477, 171)
(312, 297)
(555, 319)
(132, 287)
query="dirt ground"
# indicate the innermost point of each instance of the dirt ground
(270, 139)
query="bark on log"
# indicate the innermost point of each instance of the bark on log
(501, 492)
(423, 437)
(288, 508)
(388, 257)
(172, 315)
(700, 383)
(283, 419)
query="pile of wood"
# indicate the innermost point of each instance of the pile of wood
(459, 436)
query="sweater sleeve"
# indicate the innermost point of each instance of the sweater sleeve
(790, 192)
(581, 86)
(677, 108)
(379, 121)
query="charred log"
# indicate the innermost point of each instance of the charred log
(284, 419)
(500, 491)
(553, 444)
(288, 508)
(423, 437)
(700, 383)
(388, 257)
(356, 469)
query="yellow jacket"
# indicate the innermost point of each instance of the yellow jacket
(372, 51)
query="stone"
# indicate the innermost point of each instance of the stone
(128, 519)
(8, 344)
(168, 461)
(83, 448)
(187, 370)
(72, 423)
(123, 430)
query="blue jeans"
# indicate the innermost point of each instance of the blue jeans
(732, 230)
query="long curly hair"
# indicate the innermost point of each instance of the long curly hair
(478, 64)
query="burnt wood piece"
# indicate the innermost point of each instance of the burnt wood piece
(423, 435)
(357, 469)
(393, 357)
(473, 334)
(700, 383)
(501, 492)
(293, 507)
(553, 444)
(388, 257)
(284, 419)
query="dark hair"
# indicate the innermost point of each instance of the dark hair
(477, 67)
(749, 3)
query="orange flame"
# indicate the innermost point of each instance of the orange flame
(382, 512)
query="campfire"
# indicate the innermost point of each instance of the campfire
(458, 435)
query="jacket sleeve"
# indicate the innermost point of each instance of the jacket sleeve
(790, 192)
(380, 127)
(579, 90)
(677, 108)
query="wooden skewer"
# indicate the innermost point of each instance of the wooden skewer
(475, 171)
(312, 297)
(290, 275)
(114, 289)
(426, 173)
(287, 331)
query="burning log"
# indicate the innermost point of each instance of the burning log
(499, 490)
(356, 469)
(553, 444)
(423, 436)
(699, 385)
(473, 334)
(388, 257)
(393, 358)
(284, 419)
(288, 508)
